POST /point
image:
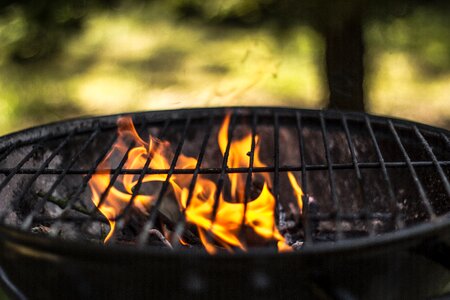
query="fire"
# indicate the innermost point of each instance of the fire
(236, 221)
(238, 157)
(297, 190)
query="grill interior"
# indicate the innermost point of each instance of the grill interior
(362, 176)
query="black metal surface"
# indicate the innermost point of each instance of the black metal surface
(139, 184)
(335, 213)
(305, 209)
(181, 222)
(399, 169)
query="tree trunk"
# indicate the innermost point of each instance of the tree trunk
(344, 60)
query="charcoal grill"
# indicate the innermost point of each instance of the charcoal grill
(375, 221)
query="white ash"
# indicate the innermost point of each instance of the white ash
(95, 229)
(347, 226)
(11, 219)
(161, 237)
(297, 245)
(37, 160)
(51, 210)
(15, 157)
(286, 225)
(68, 231)
(7, 196)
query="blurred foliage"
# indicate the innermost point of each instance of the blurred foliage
(39, 29)
(2, 296)
(423, 34)
(62, 59)
(416, 49)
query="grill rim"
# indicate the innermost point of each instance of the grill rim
(89, 121)
(28, 136)
(406, 237)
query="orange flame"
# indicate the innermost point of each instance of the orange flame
(238, 157)
(233, 217)
(297, 190)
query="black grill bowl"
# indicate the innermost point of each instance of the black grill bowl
(378, 227)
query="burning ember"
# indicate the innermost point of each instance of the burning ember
(231, 223)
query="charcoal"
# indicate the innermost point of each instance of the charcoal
(11, 219)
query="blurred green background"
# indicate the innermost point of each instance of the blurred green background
(61, 59)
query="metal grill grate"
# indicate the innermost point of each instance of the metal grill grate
(356, 170)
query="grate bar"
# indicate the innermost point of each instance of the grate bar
(393, 202)
(276, 159)
(221, 180)
(446, 139)
(434, 159)
(248, 181)
(279, 211)
(29, 219)
(354, 217)
(314, 167)
(43, 166)
(305, 211)
(117, 171)
(382, 216)
(421, 190)
(120, 218)
(149, 224)
(276, 118)
(14, 172)
(7, 152)
(181, 224)
(75, 196)
(351, 146)
(336, 202)
(199, 161)
(18, 166)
